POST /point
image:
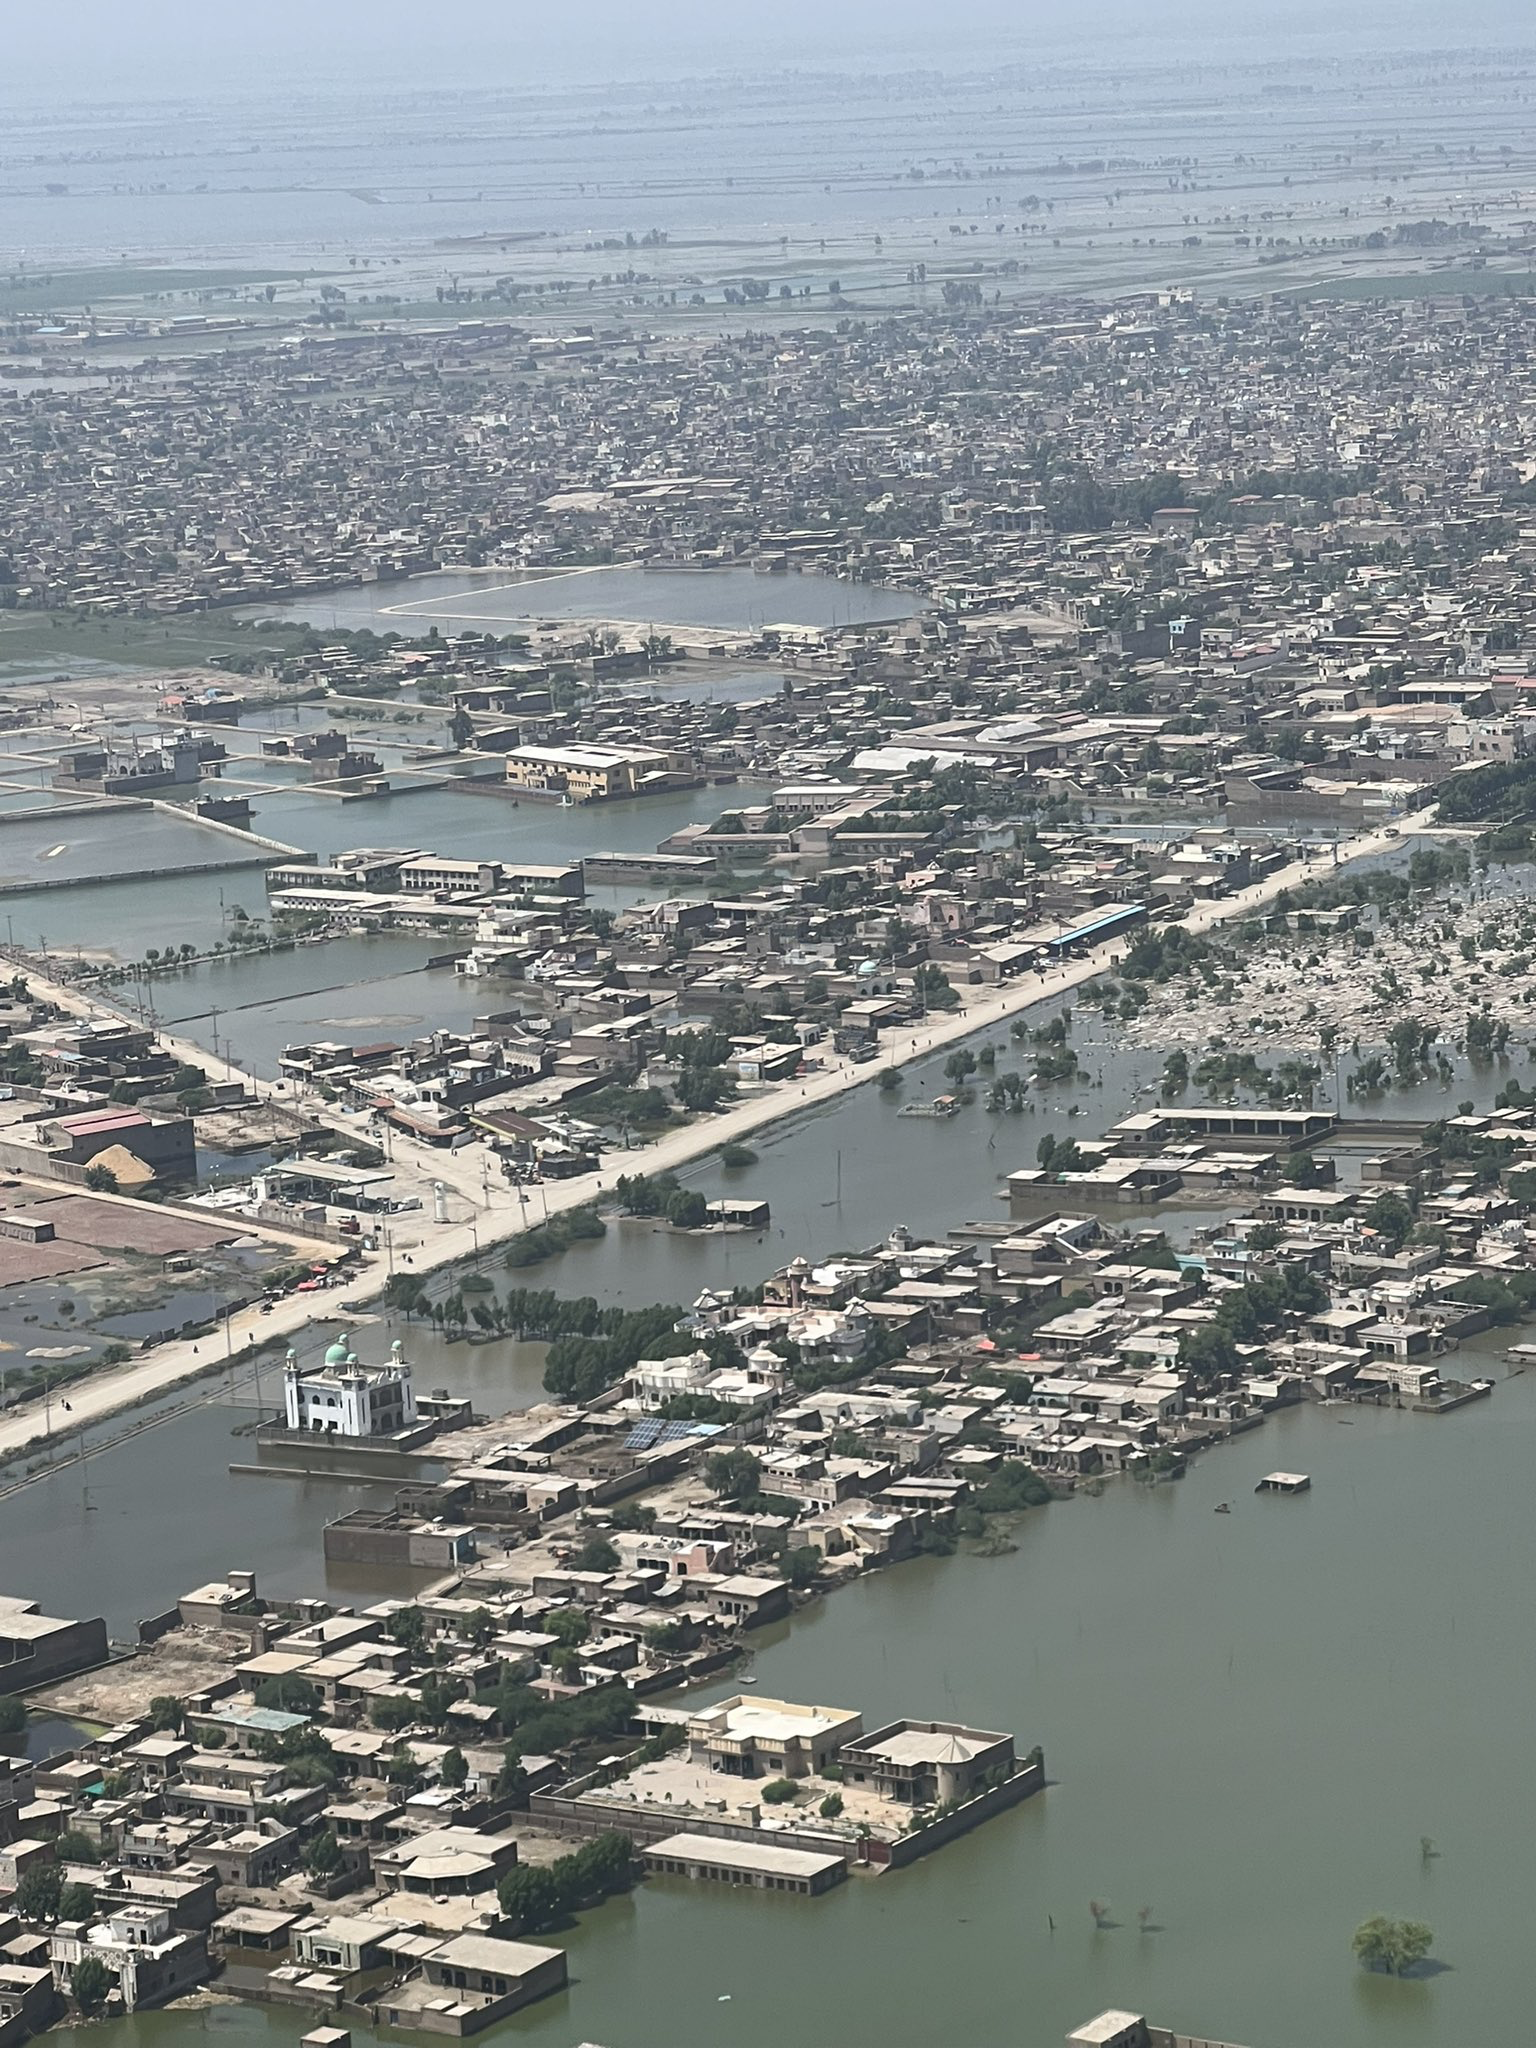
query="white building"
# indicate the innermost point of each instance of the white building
(151, 1960)
(658, 1380)
(343, 1398)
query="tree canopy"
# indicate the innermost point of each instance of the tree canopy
(1392, 1945)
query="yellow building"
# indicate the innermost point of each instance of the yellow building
(592, 774)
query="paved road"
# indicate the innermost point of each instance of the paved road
(502, 1215)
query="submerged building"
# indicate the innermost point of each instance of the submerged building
(345, 1398)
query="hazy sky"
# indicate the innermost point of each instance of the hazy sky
(129, 46)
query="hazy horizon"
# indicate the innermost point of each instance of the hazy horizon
(160, 46)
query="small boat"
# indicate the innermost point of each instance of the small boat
(1223, 1507)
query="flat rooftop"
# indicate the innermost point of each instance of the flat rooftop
(501, 1958)
(754, 1718)
(757, 1858)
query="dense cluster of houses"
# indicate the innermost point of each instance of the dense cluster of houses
(339, 1818)
(333, 1810)
(860, 451)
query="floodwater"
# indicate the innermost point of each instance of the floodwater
(1087, 162)
(735, 600)
(154, 1510)
(84, 848)
(360, 989)
(1249, 1721)
(110, 918)
(928, 1174)
(473, 822)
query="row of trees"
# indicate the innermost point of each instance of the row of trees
(539, 1896)
(662, 1195)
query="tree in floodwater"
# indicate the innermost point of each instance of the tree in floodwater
(1391, 1945)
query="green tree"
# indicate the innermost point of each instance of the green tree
(408, 1625)
(733, 1475)
(90, 1981)
(597, 1554)
(1391, 1214)
(479, 1628)
(437, 1696)
(403, 1771)
(1302, 1170)
(777, 1792)
(406, 1292)
(1393, 1945)
(1208, 1350)
(687, 1209)
(37, 1896)
(167, 1713)
(13, 1714)
(311, 1770)
(392, 1713)
(74, 1847)
(530, 1897)
(801, 1567)
(77, 1902)
(568, 1625)
(453, 1770)
(322, 1854)
(512, 1779)
(288, 1694)
(632, 1514)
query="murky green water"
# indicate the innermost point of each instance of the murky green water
(1250, 1721)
